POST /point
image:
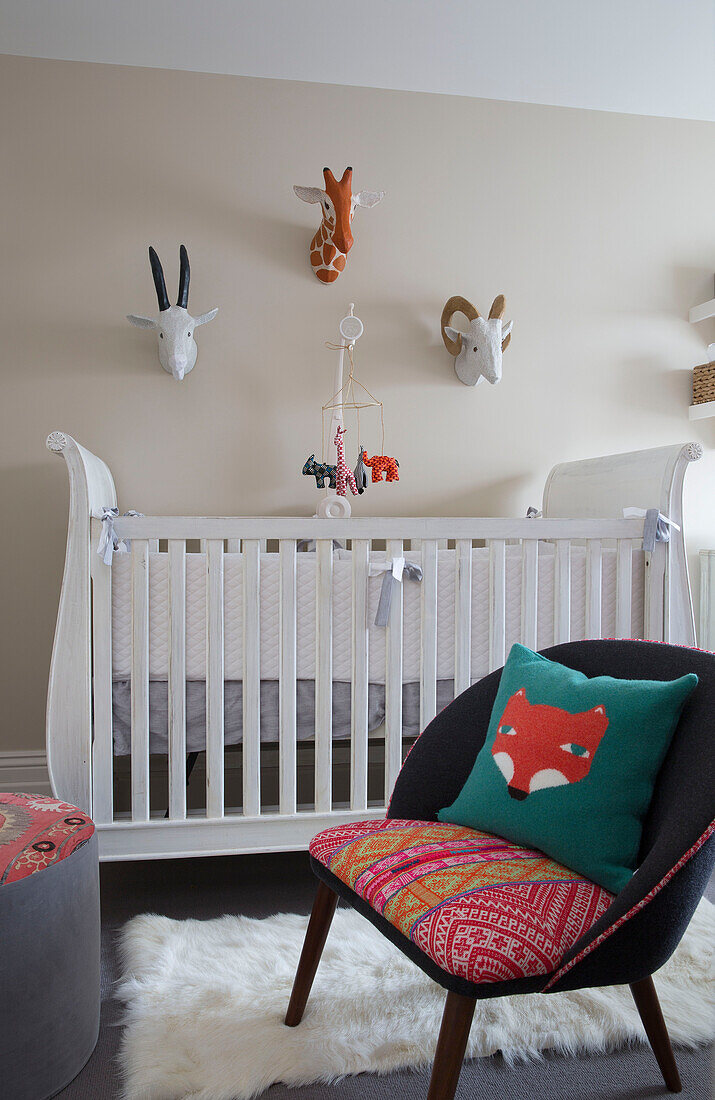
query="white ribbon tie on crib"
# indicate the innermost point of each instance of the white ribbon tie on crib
(395, 570)
(109, 543)
(656, 527)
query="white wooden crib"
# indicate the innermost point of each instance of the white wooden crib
(234, 604)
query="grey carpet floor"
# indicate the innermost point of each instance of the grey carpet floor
(258, 886)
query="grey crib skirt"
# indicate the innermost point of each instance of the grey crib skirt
(233, 712)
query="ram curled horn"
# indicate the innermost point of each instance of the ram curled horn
(478, 351)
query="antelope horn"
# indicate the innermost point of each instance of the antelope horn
(498, 307)
(456, 304)
(158, 273)
(184, 277)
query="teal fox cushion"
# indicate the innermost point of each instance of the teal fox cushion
(569, 764)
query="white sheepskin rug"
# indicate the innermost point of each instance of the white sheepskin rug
(205, 1002)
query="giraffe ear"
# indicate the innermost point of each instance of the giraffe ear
(368, 198)
(309, 194)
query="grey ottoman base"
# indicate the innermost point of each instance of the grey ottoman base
(49, 975)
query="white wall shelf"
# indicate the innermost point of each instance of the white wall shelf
(700, 412)
(700, 313)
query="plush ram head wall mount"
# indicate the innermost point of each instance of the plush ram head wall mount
(174, 326)
(330, 245)
(478, 352)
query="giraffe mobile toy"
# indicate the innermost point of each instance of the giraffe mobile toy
(332, 242)
(344, 475)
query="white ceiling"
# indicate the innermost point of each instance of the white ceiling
(654, 57)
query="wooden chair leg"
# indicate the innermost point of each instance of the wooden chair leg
(452, 1042)
(648, 1006)
(321, 918)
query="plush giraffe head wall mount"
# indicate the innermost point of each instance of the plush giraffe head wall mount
(478, 352)
(330, 245)
(174, 326)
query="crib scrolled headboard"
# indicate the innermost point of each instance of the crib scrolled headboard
(69, 695)
(603, 487)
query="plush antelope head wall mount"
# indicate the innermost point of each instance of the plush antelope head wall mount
(175, 326)
(330, 245)
(478, 352)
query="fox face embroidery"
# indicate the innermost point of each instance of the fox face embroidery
(538, 746)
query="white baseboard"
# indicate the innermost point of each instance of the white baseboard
(25, 772)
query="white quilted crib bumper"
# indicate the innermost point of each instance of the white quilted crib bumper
(341, 610)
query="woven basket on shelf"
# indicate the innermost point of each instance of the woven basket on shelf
(704, 383)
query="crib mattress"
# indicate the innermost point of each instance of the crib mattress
(342, 616)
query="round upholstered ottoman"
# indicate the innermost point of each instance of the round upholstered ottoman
(49, 945)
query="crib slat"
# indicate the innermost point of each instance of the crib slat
(233, 546)
(656, 626)
(251, 678)
(562, 592)
(288, 629)
(177, 678)
(102, 748)
(624, 581)
(529, 591)
(393, 680)
(497, 603)
(140, 680)
(324, 676)
(214, 679)
(593, 588)
(359, 687)
(463, 617)
(428, 652)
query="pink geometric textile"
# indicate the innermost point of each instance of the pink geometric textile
(482, 908)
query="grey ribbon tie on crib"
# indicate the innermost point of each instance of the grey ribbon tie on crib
(656, 526)
(395, 570)
(109, 544)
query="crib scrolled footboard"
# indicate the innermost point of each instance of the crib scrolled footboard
(651, 478)
(252, 645)
(69, 694)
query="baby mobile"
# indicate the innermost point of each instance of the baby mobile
(351, 396)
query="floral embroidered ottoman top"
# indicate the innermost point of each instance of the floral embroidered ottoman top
(482, 908)
(36, 832)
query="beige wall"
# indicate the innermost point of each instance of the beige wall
(597, 227)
